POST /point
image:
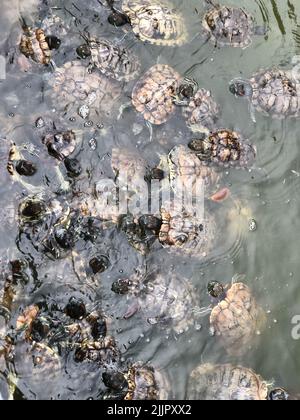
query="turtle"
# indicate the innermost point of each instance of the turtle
(224, 148)
(237, 319)
(146, 383)
(201, 112)
(110, 59)
(185, 231)
(274, 92)
(73, 86)
(156, 22)
(225, 382)
(229, 26)
(188, 173)
(153, 94)
(34, 45)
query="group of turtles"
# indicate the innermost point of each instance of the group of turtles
(50, 337)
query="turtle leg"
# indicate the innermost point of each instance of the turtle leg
(63, 184)
(123, 108)
(150, 127)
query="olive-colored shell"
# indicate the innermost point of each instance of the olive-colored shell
(237, 319)
(188, 173)
(185, 231)
(224, 148)
(229, 26)
(33, 45)
(146, 383)
(275, 93)
(225, 382)
(114, 61)
(168, 301)
(73, 85)
(153, 94)
(156, 22)
(202, 112)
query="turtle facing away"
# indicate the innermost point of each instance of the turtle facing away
(224, 148)
(153, 94)
(34, 45)
(73, 85)
(229, 26)
(156, 22)
(202, 112)
(225, 382)
(273, 92)
(146, 383)
(237, 319)
(111, 60)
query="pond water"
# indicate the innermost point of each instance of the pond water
(267, 260)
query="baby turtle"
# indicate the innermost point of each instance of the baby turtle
(74, 86)
(110, 59)
(187, 172)
(146, 383)
(34, 45)
(229, 26)
(236, 319)
(226, 382)
(156, 22)
(153, 94)
(224, 148)
(273, 92)
(184, 231)
(202, 112)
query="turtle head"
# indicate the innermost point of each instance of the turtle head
(278, 394)
(84, 51)
(215, 289)
(240, 87)
(186, 90)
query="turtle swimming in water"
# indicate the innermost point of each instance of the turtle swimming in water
(228, 382)
(110, 59)
(237, 319)
(274, 92)
(153, 94)
(156, 22)
(229, 26)
(225, 148)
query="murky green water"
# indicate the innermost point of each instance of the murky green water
(268, 258)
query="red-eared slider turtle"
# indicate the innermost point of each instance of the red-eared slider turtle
(202, 112)
(273, 92)
(229, 26)
(237, 319)
(73, 86)
(34, 45)
(156, 22)
(226, 382)
(153, 94)
(146, 383)
(110, 59)
(185, 231)
(224, 148)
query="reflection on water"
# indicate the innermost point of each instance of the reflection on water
(102, 263)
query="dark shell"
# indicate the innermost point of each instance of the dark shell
(229, 26)
(224, 148)
(60, 145)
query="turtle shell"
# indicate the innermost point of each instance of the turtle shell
(168, 301)
(153, 94)
(225, 382)
(275, 93)
(202, 112)
(146, 383)
(156, 22)
(237, 319)
(73, 85)
(187, 172)
(184, 231)
(33, 45)
(114, 61)
(224, 148)
(229, 26)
